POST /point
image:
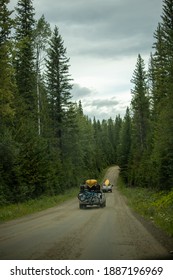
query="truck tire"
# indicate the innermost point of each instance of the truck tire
(103, 204)
(82, 206)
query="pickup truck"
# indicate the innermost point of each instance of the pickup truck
(91, 195)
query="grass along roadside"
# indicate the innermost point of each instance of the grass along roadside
(13, 211)
(156, 206)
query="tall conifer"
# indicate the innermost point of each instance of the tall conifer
(24, 59)
(140, 118)
(58, 84)
(162, 155)
(7, 82)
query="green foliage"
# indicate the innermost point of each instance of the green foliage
(157, 206)
(6, 22)
(24, 58)
(58, 85)
(162, 154)
(139, 107)
(140, 124)
(124, 147)
(8, 155)
(14, 211)
(7, 83)
(47, 143)
(150, 162)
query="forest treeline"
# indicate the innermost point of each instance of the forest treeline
(47, 144)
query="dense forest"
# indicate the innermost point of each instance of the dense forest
(47, 144)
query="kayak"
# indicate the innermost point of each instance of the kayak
(91, 182)
(106, 182)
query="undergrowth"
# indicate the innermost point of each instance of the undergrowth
(155, 205)
(14, 211)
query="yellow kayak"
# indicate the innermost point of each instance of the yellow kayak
(91, 182)
(107, 182)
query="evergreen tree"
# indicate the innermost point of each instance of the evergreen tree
(7, 82)
(32, 165)
(100, 155)
(124, 147)
(111, 135)
(117, 130)
(159, 72)
(140, 119)
(107, 147)
(140, 105)
(25, 58)
(58, 85)
(162, 156)
(7, 109)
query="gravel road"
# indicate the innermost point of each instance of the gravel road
(67, 232)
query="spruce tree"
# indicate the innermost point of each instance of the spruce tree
(124, 148)
(162, 156)
(117, 129)
(159, 71)
(58, 85)
(7, 109)
(140, 109)
(25, 58)
(100, 155)
(140, 105)
(7, 81)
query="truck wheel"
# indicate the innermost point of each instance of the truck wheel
(81, 206)
(103, 205)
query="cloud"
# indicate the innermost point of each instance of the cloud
(103, 40)
(104, 108)
(104, 103)
(108, 28)
(99, 107)
(79, 92)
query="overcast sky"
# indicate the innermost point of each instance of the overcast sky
(103, 40)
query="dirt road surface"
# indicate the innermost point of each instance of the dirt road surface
(67, 232)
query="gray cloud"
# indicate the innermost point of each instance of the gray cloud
(101, 108)
(108, 28)
(79, 92)
(103, 103)
(110, 31)
(104, 108)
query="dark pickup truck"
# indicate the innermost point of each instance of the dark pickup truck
(91, 195)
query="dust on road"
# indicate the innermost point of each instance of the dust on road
(67, 232)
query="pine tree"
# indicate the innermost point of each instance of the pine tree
(7, 82)
(159, 71)
(111, 135)
(162, 156)
(117, 129)
(107, 147)
(101, 160)
(25, 58)
(58, 84)
(140, 120)
(140, 105)
(124, 148)
(7, 108)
